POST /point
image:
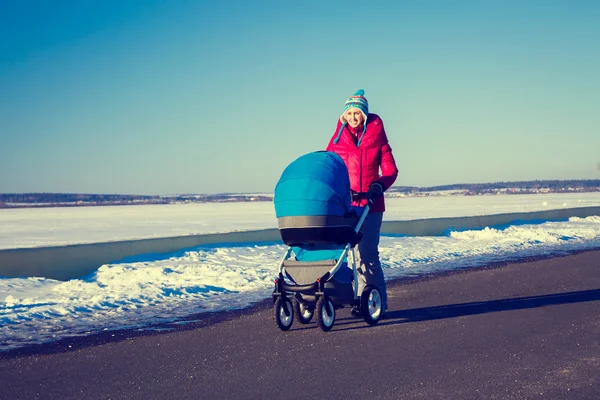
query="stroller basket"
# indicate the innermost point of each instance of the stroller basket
(304, 273)
(308, 277)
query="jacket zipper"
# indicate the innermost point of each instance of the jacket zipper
(360, 166)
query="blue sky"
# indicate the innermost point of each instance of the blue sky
(159, 97)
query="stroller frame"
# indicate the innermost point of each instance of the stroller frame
(315, 297)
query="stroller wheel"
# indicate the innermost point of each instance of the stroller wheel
(284, 313)
(325, 313)
(303, 312)
(370, 305)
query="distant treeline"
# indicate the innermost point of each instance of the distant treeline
(552, 185)
(73, 198)
(8, 200)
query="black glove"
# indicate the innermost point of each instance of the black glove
(375, 190)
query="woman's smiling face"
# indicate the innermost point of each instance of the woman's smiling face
(354, 117)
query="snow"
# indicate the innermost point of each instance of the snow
(38, 227)
(147, 291)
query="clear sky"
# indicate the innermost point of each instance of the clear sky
(162, 97)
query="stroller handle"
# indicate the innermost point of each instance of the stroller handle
(363, 216)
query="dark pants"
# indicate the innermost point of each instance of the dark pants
(369, 266)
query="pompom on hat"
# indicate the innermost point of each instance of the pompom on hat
(357, 100)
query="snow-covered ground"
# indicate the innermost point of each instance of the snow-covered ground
(145, 291)
(36, 227)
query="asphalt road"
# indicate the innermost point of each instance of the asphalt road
(528, 330)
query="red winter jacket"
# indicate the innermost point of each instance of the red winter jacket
(365, 160)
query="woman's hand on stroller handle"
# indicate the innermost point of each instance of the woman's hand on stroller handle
(375, 190)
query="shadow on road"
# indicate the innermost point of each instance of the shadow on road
(483, 307)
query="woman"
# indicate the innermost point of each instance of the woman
(360, 140)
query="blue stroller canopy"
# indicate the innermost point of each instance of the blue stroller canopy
(314, 184)
(313, 208)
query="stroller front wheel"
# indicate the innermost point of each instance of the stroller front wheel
(303, 312)
(325, 313)
(284, 313)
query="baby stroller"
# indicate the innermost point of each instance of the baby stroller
(316, 220)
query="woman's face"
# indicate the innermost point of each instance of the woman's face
(354, 117)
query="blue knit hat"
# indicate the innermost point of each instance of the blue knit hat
(357, 100)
